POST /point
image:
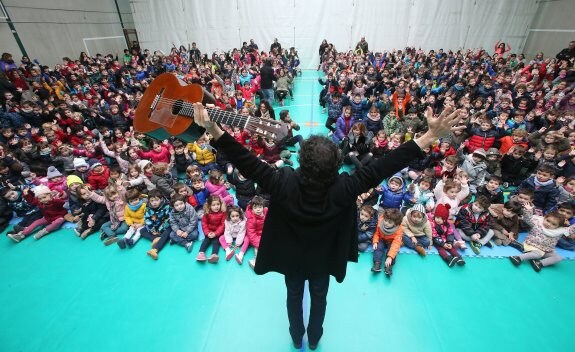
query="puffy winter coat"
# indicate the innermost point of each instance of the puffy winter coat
(185, 220)
(214, 222)
(235, 230)
(481, 139)
(156, 219)
(255, 226)
(545, 196)
(469, 224)
(115, 208)
(99, 181)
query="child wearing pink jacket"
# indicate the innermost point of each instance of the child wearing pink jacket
(215, 185)
(452, 192)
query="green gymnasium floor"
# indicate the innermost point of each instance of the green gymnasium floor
(64, 294)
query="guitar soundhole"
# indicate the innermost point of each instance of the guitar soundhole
(177, 107)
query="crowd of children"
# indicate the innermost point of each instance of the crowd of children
(68, 151)
(511, 170)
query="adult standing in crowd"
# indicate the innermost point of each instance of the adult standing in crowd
(267, 81)
(567, 53)
(362, 46)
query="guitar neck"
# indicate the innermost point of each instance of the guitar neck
(253, 124)
(217, 115)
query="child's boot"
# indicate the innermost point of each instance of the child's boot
(240, 258)
(110, 240)
(86, 233)
(475, 247)
(229, 253)
(450, 260)
(537, 265)
(122, 243)
(153, 253)
(387, 271)
(201, 257)
(40, 234)
(515, 260)
(376, 268)
(419, 249)
(516, 245)
(460, 261)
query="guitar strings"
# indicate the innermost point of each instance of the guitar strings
(186, 106)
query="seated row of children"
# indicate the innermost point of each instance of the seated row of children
(447, 218)
(142, 204)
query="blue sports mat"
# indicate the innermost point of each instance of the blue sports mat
(495, 252)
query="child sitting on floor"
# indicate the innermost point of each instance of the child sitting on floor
(51, 207)
(366, 225)
(235, 231)
(417, 230)
(256, 215)
(213, 225)
(473, 223)
(443, 238)
(157, 227)
(387, 240)
(539, 245)
(134, 218)
(183, 222)
(505, 223)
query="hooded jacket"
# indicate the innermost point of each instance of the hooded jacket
(391, 199)
(185, 220)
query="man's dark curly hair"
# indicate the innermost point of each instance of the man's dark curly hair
(319, 159)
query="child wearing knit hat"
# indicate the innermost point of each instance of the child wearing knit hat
(416, 230)
(51, 207)
(443, 238)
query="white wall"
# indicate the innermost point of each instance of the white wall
(552, 29)
(386, 24)
(52, 29)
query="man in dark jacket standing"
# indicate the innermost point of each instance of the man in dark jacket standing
(267, 81)
(309, 232)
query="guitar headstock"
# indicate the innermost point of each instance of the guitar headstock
(267, 128)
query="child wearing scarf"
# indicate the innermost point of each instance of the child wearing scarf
(387, 240)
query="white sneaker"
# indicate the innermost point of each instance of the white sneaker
(252, 263)
(16, 237)
(40, 234)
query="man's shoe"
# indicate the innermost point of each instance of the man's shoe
(312, 346)
(297, 345)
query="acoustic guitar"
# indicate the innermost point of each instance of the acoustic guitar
(166, 109)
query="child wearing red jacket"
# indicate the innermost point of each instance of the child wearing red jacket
(256, 215)
(213, 225)
(51, 208)
(98, 176)
(387, 240)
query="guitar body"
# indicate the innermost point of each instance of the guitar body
(156, 116)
